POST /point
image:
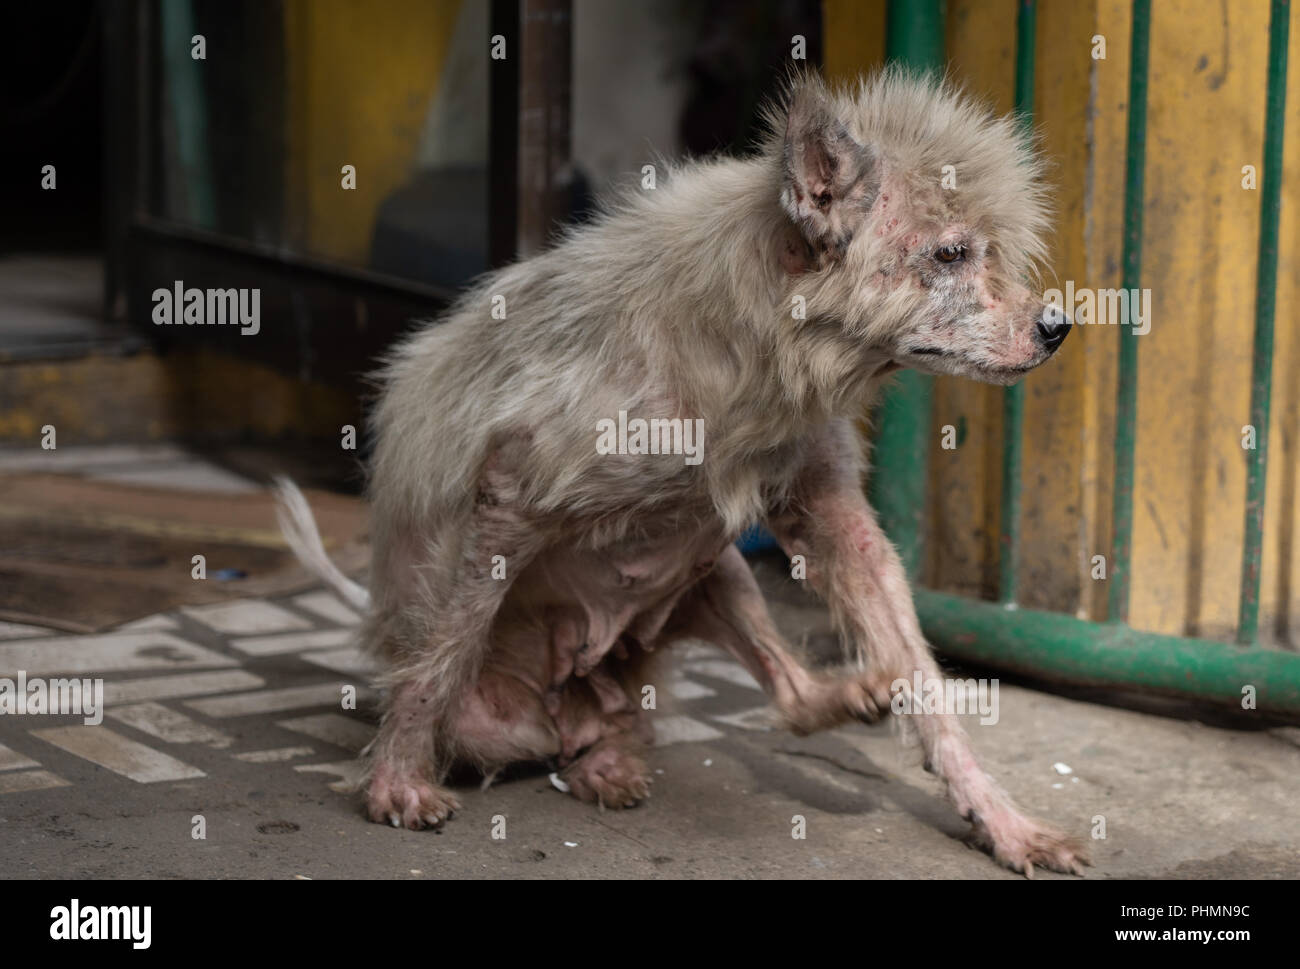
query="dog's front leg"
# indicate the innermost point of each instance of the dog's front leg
(855, 568)
(727, 609)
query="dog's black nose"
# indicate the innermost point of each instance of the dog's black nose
(1053, 326)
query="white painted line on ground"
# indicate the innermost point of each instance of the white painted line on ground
(246, 617)
(101, 746)
(293, 642)
(160, 621)
(348, 770)
(349, 660)
(684, 689)
(107, 653)
(327, 606)
(757, 718)
(274, 755)
(721, 669)
(12, 760)
(182, 685)
(682, 730)
(170, 725)
(20, 630)
(338, 729)
(689, 649)
(273, 701)
(30, 780)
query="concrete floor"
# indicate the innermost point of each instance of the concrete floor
(1180, 799)
(231, 712)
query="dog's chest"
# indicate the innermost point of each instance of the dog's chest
(599, 585)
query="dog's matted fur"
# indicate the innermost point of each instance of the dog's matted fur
(523, 577)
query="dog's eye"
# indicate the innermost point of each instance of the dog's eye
(951, 254)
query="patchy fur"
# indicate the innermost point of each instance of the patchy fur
(680, 303)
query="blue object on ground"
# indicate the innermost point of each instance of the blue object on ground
(756, 539)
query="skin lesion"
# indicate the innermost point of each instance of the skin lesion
(546, 663)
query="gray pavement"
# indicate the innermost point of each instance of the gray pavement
(232, 713)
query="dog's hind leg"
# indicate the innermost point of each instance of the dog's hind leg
(605, 731)
(611, 772)
(435, 662)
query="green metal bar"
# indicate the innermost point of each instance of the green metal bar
(914, 32)
(914, 35)
(1053, 646)
(1261, 383)
(902, 448)
(1013, 399)
(1121, 547)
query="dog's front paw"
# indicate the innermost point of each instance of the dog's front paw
(824, 700)
(403, 799)
(1023, 844)
(867, 696)
(610, 776)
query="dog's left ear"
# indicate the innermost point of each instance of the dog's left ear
(829, 180)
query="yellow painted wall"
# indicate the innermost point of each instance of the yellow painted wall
(1206, 112)
(361, 78)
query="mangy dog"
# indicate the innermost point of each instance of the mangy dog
(524, 576)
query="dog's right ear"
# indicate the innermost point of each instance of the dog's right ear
(829, 180)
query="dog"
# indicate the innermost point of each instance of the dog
(538, 531)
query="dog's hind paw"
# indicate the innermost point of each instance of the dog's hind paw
(406, 801)
(609, 775)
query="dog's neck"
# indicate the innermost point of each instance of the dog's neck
(784, 355)
(723, 335)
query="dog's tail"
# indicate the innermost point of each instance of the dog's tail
(298, 525)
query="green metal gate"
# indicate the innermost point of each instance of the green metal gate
(1052, 645)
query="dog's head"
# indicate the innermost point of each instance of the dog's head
(917, 223)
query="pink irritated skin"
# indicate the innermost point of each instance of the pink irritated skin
(484, 452)
(567, 648)
(401, 777)
(854, 566)
(403, 798)
(983, 320)
(539, 698)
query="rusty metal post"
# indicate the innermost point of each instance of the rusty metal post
(545, 85)
(531, 167)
